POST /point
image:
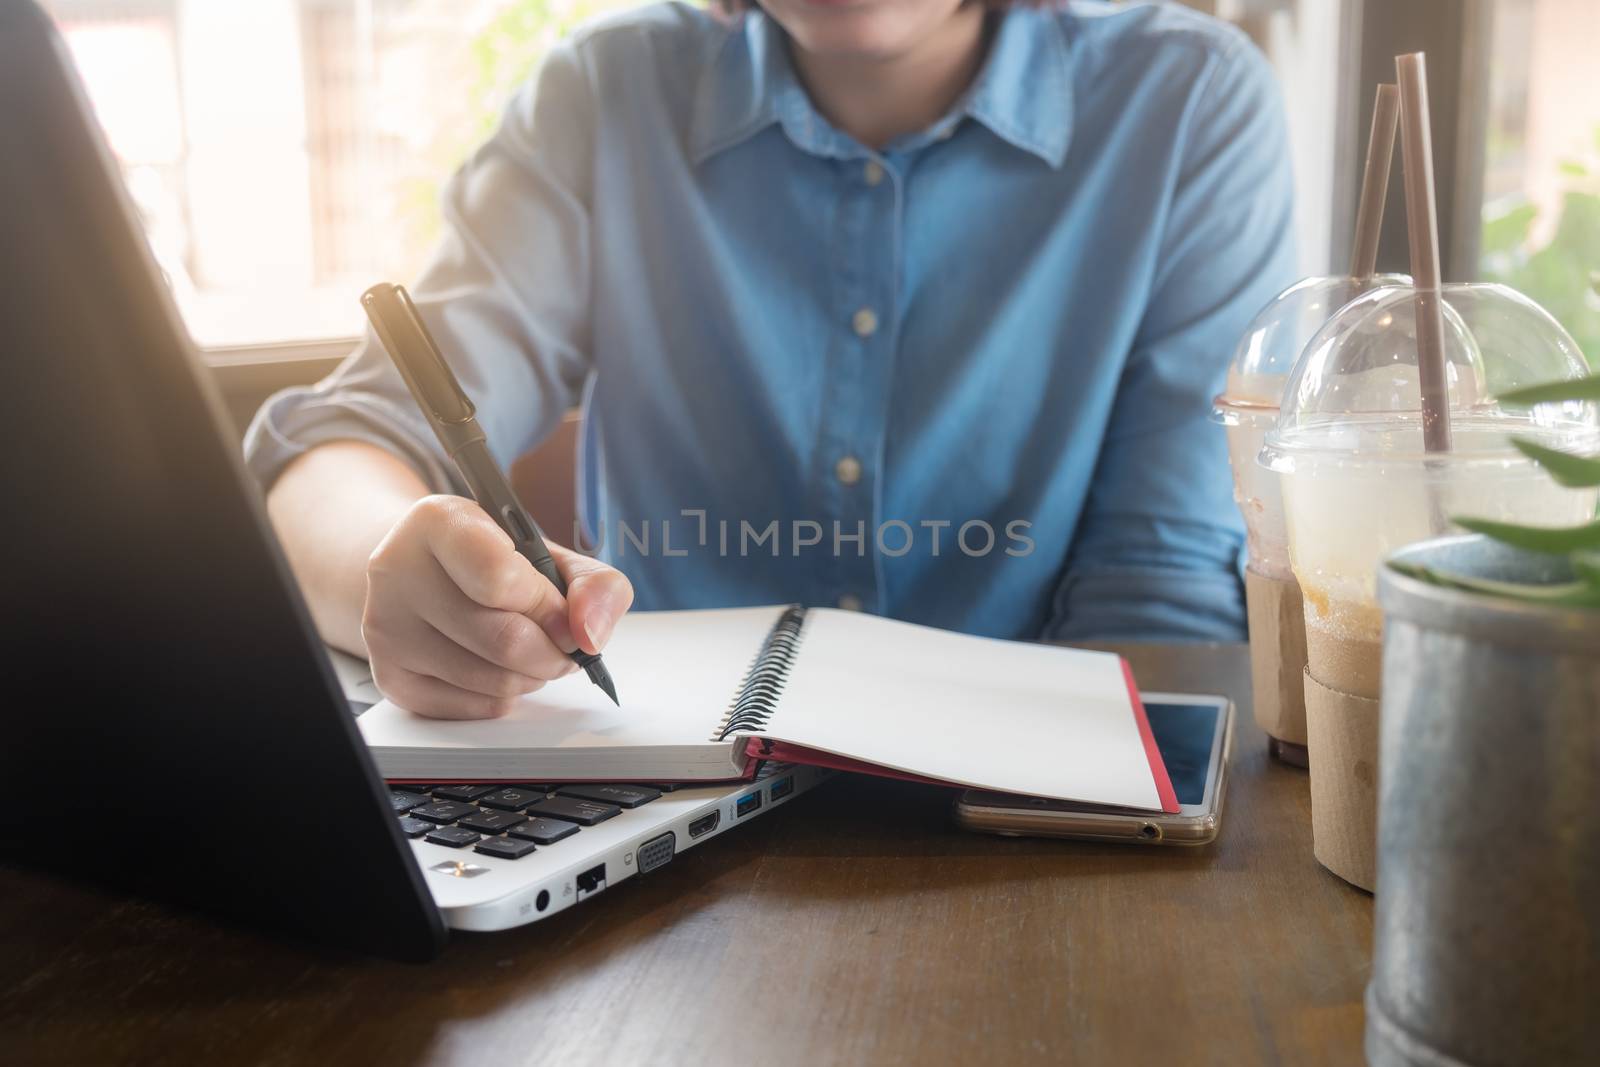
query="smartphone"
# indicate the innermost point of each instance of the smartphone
(1195, 736)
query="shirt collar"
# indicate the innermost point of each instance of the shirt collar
(1023, 94)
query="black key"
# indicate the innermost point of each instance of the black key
(512, 799)
(404, 802)
(443, 812)
(627, 796)
(507, 848)
(582, 812)
(414, 827)
(490, 822)
(411, 787)
(463, 792)
(452, 836)
(544, 831)
(670, 787)
(534, 787)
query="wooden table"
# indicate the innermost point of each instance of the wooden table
(854, 926)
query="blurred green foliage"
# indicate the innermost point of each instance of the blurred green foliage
(503, 55)
(1562, 274)
(510, 48)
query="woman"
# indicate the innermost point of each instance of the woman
(908, 305)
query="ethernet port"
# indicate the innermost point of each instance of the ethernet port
(591, 881)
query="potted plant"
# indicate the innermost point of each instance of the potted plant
(1487, 941)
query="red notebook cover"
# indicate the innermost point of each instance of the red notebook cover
(764, 748)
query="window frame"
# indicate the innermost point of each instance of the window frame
(1456, 35)
(245, 375)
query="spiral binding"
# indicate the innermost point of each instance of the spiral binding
(758, 696)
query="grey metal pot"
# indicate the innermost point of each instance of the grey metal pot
(1487, 941)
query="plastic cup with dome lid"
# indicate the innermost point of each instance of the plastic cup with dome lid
(1358, 478)
(1248, 406)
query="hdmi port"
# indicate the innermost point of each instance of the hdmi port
(705, 824)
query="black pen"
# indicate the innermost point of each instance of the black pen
(450, 413)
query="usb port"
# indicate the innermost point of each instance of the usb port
(705, 824)
(746, 804)
(782, 788)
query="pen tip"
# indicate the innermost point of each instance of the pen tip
(601, 677)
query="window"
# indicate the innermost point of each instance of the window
(285, 154)
(1541, 217)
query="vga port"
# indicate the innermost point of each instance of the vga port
(657, 851)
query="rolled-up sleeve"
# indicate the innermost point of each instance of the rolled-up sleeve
(506, 296)
(1156, 556)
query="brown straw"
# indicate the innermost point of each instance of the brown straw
(1423, 224)
(1375, 183)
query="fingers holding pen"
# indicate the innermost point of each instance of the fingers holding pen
(598, 596)
(509, 639)
(481, 560)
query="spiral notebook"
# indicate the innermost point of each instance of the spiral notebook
(707, 695)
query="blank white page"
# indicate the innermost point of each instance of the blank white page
(975, 711)
(676, 673)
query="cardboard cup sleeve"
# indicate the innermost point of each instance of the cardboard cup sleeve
(1342, 741)
(1277, 655)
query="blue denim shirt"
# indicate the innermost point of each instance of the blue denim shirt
(963, 380)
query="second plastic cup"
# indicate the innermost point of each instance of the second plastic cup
(1248, 408)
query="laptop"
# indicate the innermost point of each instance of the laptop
(173, 724)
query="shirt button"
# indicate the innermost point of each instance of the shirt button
(864, 322)
(873, 173)
(850, 603)
(848, 470)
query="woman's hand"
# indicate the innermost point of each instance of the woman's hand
(457, 624)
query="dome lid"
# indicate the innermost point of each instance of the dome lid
(1355, 393)
(1276, 336)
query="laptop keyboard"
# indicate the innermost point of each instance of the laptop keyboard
(509, 821)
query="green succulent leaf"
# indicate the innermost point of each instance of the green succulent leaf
(1574, 472)
(1586, 565)
(1552, 540)
(1555, 392)
(1419, 572)
(1580, 594)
